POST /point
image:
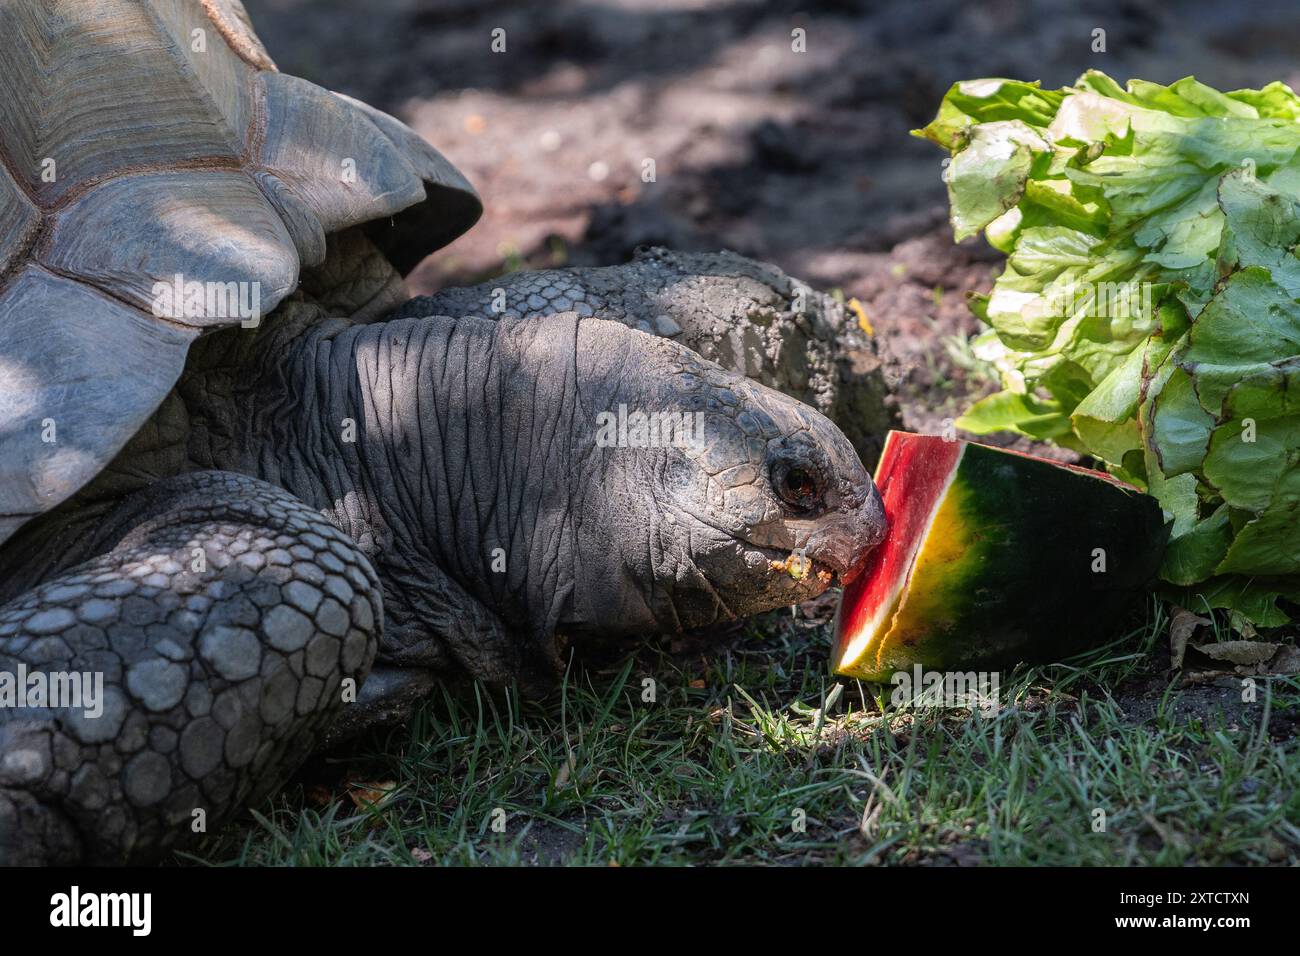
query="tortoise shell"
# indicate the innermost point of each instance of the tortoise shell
(159, 178)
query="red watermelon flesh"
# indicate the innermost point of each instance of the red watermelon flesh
(992, 556)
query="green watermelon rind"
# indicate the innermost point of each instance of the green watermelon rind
(1054, 556)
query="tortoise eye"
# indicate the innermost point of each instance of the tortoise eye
(799, 486)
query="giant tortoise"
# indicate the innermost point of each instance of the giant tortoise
(250, 489)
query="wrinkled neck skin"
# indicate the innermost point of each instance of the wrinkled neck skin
(457, 447)
(395, 430)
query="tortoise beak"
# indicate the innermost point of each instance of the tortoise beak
(843, 545)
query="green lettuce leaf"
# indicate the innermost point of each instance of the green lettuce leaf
(1149, 310)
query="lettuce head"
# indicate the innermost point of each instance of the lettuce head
(1149, 310)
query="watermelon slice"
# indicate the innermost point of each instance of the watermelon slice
(992, 556)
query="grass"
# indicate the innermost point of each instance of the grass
(748, 754)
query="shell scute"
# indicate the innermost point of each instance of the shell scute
(148, 143)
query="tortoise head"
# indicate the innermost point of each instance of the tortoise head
(523, 479)
(705, 496)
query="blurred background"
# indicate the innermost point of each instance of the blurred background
(798, 158)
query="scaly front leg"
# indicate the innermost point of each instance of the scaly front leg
(212, 641)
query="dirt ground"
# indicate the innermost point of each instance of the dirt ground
(798, 158)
